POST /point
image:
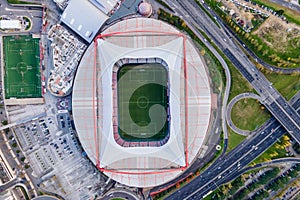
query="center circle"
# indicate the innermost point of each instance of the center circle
(142, 102)
(21, 67)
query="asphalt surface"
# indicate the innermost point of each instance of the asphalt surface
(229, 166)
(231, 34)
(255, 57)
(230, 106)
(287, 115)
(287, 4)
(11, 184)
(198, 163)
(272, 99)
(192, 14)
(273, 162)
(34, 13)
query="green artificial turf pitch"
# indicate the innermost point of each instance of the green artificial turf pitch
(142, 102)
(22, 67)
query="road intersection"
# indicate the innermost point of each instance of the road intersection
(271, 98)
(228, 166)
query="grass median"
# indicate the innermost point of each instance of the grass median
(287, 85)
(234, 139)
(249, 114)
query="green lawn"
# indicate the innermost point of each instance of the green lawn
(234, 139)
(22, 77)
(142, 102)
(287, 85)
(247, 114)
(238, 83)
(19, 2)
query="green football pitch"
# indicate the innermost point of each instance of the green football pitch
(22, 77)
(142, 102)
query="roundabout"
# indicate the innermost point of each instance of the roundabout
(229, 110)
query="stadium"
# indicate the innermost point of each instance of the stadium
(142, 102)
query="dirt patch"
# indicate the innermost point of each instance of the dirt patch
(279, 35)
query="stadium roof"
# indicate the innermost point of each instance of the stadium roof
(87, 25)
(105, 5)
(190, 102)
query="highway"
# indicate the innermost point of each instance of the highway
(255, 57)
(190, 21)
(228, 167)
(272, 99)
(232, 34)
(275, 103)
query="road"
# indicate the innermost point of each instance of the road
(191, 19)
(272, 99)
(228, 167)
(35, 13)
(11, 184)
(230, 106)
(258, 81)
(287, 4)
(25, 120)
(256, 58)
(232, 34)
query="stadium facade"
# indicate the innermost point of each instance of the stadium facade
(141, 163)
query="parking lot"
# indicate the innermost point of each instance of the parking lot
(35, 132)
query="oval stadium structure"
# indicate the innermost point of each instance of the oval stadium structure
(142, 102)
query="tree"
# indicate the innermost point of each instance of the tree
(293, 174)
(202, 52)
(238, 182)
(297, 167)
(14, 145)
(280, 12)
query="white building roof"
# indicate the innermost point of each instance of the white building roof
(87, 25)
(189, 99)
(105, 5)
(10, 24)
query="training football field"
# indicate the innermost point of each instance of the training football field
(142, 102)
(22, 77)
